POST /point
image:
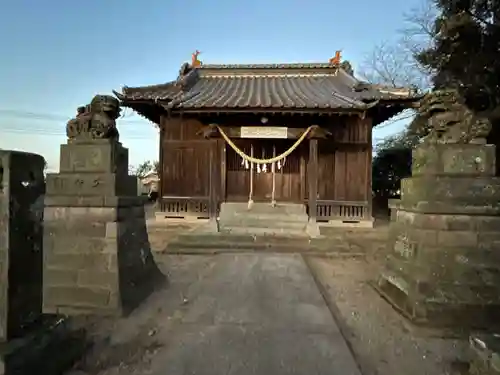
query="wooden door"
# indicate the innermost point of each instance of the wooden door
(288, 179)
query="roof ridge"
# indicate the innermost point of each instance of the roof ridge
(310, 65)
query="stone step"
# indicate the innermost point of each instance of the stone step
(211, 237)
(286, 209)
(263, 231)
(264, 217)
(253, 223)
(223, 242)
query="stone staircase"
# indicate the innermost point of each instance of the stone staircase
(262, 219)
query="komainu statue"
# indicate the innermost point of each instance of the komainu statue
(96, 120)
(451, 121)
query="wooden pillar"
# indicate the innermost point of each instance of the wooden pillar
(312, 173)
(369, 213)
(161, 163)
(213, 181)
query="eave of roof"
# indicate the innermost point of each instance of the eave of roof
(275, 87)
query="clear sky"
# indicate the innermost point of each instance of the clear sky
(55, 54)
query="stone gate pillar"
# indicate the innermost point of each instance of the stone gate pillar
(443, 266)
(21, 211)
(97, 253)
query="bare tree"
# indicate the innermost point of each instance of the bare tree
(393, 63)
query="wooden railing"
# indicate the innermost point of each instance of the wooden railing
(342, 210)
(179, 207)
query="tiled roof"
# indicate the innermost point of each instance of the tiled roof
(276, 86)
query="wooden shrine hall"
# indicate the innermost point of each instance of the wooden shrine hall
(296, 133)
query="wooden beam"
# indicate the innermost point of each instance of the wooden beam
(312, 174)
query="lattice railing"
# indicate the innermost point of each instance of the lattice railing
(345, 211)
(185, 207)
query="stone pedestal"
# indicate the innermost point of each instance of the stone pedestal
(443, 262)
(21, 213)
(97, 254)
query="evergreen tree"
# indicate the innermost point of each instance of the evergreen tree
(465, 53)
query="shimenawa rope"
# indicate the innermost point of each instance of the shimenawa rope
(265, 161)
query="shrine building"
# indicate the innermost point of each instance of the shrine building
(295, 133)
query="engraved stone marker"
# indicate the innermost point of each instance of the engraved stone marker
(21, 212)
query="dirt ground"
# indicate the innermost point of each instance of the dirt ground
(160, 234)
(378, 335)
(127, 345)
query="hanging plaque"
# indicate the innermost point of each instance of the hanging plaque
(264, 132)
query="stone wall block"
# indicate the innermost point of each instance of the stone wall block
(75, 227)
(76, 262)
(112, 230)
(62, 277)
(98, 156)
(72, 201)
(435, 222)
(488, 224)
(489, 239)
(424, 237)
(78, 245)
(457, 238)
(405, 217)
(76, 296)
(460, 222)
(94, 214)
(103, 279)
(456, 159)
(451, 190)
(113, 261)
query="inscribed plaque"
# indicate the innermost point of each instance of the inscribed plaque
(264, 132)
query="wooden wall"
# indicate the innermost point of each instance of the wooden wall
(344, 164)
(192, 166)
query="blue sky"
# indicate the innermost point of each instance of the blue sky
(55, 55)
